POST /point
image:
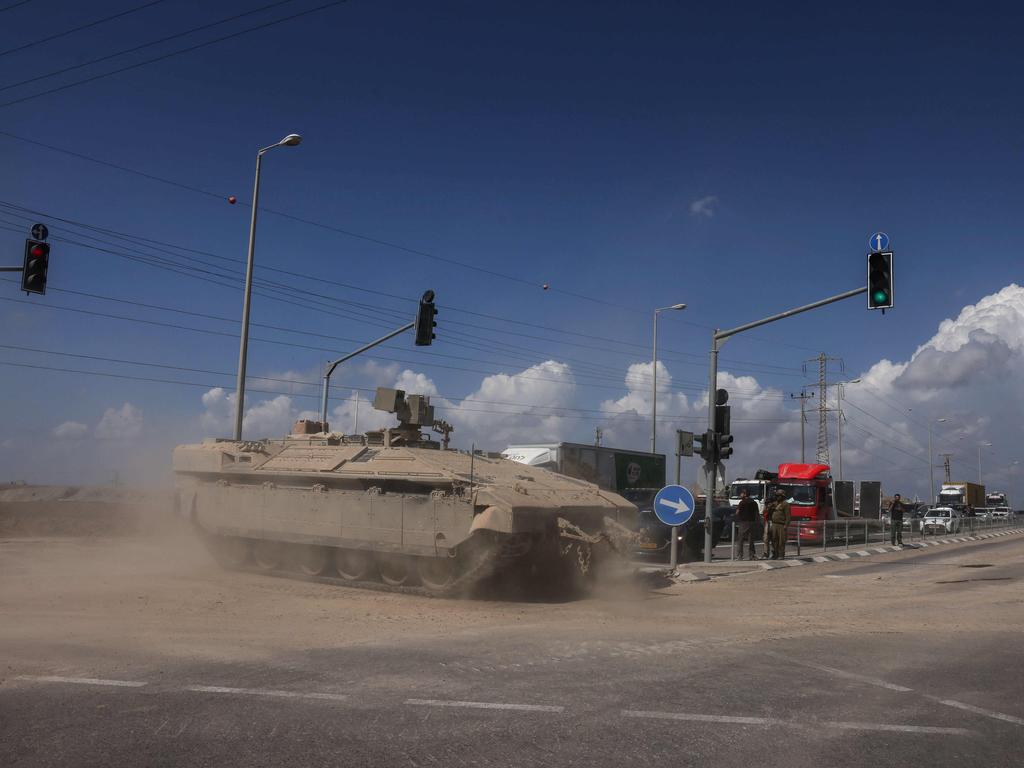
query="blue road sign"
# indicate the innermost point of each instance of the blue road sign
(879, 241)
(674, 505)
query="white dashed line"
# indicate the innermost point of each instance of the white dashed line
(265, 692)
(843, 673)
(849, 726)
(80, 681)
(699, 718)
(483, 705)
(980, 711)
(897, 727)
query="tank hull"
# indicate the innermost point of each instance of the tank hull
(436, 515)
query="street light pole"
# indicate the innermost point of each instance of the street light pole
(980, 446)
(290, 140)
(654, 376)
(931, 460)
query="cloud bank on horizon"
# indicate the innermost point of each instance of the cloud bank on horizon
(967, 375)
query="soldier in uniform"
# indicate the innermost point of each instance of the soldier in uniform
(746, 517)
(778, 512)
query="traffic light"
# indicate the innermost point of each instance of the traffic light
(724, 446)
(425, 323)
(880, 288)
(704, 446)
(37, 258)
(723, 440)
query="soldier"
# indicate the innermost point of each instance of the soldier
(746, 516)
(896, 520)
(779, 514)
(766, 524)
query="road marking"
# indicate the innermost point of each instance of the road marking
(897, 727)
(265, 692)
(849, 726)
(843, 556)
(80, 681)
(483, 705)
(842, 673)
(863, 553)
(980, 711)
(699, 718)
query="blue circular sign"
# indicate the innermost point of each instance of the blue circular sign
(674, 505)
(879, 242)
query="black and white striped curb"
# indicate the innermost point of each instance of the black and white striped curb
(852, 554)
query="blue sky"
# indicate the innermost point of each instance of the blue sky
(564, 144)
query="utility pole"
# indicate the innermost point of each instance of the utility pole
(597, 437)
(802, 397)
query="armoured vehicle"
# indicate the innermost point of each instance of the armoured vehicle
(393, 504)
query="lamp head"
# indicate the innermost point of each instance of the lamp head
(291, 140)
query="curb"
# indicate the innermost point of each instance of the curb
(838, 557)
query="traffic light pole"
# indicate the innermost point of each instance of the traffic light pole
(717, 338)
(331, 366)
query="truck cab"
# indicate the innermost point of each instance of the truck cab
(758, 488)
(808, 488)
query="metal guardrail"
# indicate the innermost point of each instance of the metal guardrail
(812, 537)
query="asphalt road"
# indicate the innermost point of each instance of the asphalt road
(144, 660)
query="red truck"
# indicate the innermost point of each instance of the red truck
(808, 487)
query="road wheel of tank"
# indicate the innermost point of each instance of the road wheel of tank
(437, 574)
(267, 554)
(395, 570)
(230, 551)
(311, 560)
(353, 564)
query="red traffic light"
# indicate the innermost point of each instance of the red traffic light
(33, 273)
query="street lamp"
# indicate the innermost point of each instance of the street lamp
(291, 140)
(980, 446)
(654, 376)
(839, 412)
(931, 461)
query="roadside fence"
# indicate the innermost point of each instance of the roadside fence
(812, 537)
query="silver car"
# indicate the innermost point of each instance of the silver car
(941, 520)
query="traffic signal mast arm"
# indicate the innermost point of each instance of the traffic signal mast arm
(717, 337)
(426, 301)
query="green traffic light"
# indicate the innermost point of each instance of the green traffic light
(880, 297)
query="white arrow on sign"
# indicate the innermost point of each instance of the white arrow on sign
(678, 506)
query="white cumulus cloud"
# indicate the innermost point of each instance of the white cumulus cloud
(124, 423)
(70, 430)
(705, 206)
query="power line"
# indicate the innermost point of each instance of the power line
(746, 366)
(300, 382)
(171, 54)
(67, 32)
(295, 345)
(14, 5)
(143, 46)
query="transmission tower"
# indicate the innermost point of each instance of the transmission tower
(945, 465)
(823, 360)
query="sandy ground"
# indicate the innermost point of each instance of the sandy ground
(161, 592)
(827, 656)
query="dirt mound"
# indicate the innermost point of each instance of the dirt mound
(60, 510)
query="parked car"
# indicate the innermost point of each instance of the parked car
(941, 520)
(912, 518)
